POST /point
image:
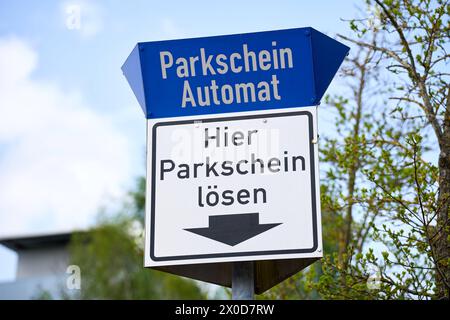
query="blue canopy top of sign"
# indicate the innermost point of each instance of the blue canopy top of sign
(233, 73)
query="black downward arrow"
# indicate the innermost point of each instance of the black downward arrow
(233, 229)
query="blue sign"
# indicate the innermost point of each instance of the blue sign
(242, 72)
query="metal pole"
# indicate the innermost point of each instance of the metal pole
(243, 280)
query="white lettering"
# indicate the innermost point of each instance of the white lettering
(206, 63)
(187, 95)
(164, 64)
(233, 58)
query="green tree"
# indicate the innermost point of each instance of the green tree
(413, 43)
(110, 257)
(371, 173)
(385, 200)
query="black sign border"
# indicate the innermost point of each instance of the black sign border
(235, 254)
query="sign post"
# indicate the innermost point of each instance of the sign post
(232, 158)
(243, 286)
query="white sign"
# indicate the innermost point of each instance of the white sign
(233, 187)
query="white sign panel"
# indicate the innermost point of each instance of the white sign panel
(233, 187)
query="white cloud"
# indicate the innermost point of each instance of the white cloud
(58, 158)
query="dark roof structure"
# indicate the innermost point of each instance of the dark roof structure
(36, 241)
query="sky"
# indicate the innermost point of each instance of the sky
(72, 135)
